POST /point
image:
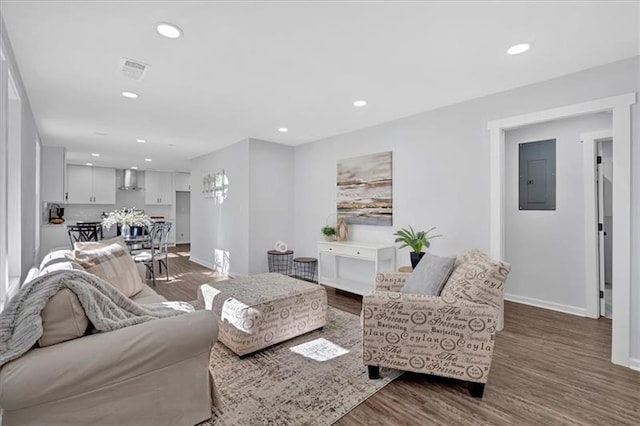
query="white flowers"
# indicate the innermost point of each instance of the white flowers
(128, 217)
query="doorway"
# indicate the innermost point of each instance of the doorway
(604, 185)
(183, 217)
(621, 263)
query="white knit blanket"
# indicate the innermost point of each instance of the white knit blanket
(105, 306)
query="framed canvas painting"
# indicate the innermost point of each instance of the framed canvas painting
(365, 189)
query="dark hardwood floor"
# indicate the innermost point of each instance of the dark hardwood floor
(548, 368)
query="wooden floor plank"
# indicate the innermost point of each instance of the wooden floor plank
(548, 368)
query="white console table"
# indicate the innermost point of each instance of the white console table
(382, 257)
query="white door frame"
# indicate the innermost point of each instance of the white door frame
(590, 141)
(620, 106)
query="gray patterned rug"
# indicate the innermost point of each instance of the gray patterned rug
(314, 379)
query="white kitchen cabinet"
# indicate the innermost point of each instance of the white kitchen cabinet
(90, 185)
(52, 174)
(158, 188)
(104, 185)
(182, 181)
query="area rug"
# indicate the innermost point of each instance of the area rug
(314, 379)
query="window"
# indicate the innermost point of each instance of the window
(10, 184)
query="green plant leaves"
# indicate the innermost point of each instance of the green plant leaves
(416, 240)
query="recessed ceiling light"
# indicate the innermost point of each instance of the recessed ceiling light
(130, 95)
(169, 30)
(172, 144)
(359, 103)
(141, 140)
(95, 155)
(283, 129)
(89, 164)
(134, 168)
(148, 160)
(518, 49)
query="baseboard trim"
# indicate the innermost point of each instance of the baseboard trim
(567, 309)
(202, 263)
(634, 364)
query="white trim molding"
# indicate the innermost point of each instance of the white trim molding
(559, 307)
(204, 263)
(634, 364)
(592, 287)
(620, 107)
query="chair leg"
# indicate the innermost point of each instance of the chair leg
(166, 268)
(476, 389)
(150, 271)
(374, 372)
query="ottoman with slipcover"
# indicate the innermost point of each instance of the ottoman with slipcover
(261, 310)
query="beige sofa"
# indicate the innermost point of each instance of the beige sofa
(155, 373)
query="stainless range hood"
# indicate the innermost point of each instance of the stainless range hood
(130, 180)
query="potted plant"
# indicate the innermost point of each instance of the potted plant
(329, 232)
(416, 240)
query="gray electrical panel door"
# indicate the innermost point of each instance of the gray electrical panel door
(537, 173)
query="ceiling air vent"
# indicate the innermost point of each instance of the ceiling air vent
(133, 69)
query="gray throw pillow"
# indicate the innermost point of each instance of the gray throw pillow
(430, 275)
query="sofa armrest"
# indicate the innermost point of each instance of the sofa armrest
(429, 334)
(391, 281)
(104, 359)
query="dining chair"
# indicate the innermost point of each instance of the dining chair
(84, 232)
(157, 251)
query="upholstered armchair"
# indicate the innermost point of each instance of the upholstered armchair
(451, 335)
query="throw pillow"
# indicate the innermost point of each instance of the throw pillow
(56, 256)
(112, 263)
(478, 279)
(429, 276)
(63, 317)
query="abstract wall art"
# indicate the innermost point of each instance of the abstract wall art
(365, 189)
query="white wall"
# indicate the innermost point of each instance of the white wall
(546, 248)
(257, 212)
(222, 226)
(29, 134)
(441, 167)
(270, 200)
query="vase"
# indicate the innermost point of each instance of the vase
(415, 258)
(125, 231)
(342, 230)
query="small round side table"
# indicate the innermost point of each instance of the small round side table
(304, 268)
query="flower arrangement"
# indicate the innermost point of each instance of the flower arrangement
(127, 217)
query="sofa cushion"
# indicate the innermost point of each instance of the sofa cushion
(148, 295)
(478, 279)
(63, 317)
(110, 260)
(430, 275)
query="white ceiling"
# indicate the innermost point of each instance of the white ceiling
(244, 69)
